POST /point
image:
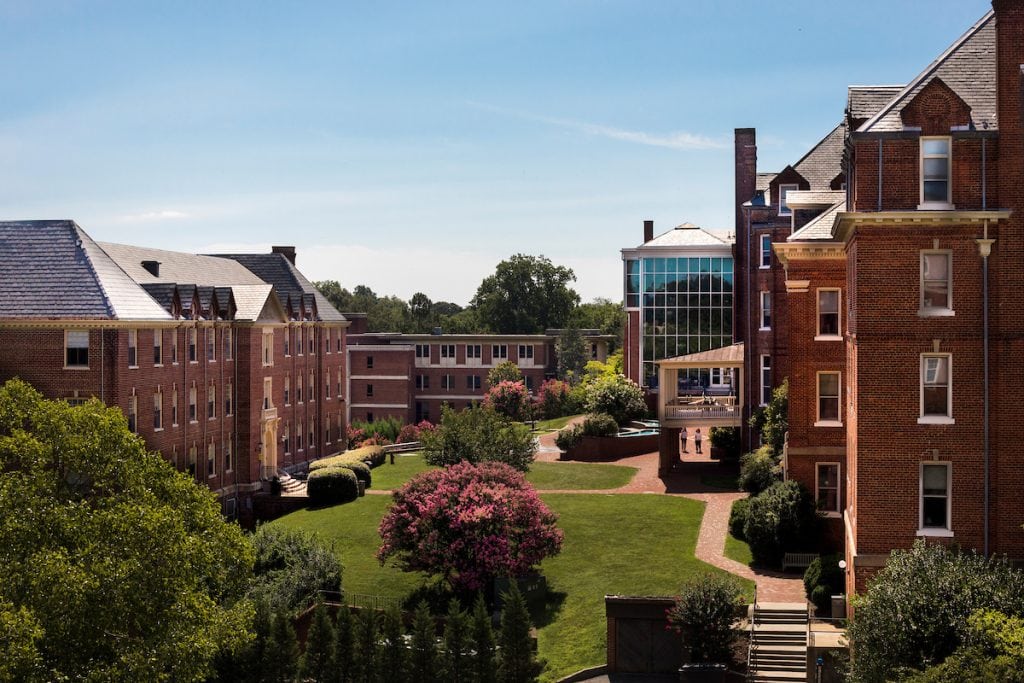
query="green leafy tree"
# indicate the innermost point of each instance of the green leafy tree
(604, 315)
(393, 658)
(781, 518)
(617, 396)
(478, 435)
(317, 661)
(344, 646)
(281, 657)
(571, 352)
(114, 566)
(916, 612)
(704, 614)
(772, 421)
(367, 629)
(506, 371)
(292, 566)
(516, 661)
(20, 634)
(483, 645)
(758, 470)
(457, 667)
(526, 295)
(423, 664)
(994, 651)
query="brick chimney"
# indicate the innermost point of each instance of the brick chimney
(1010, 87)
(648, 231)
(746, 170)
(289, 252)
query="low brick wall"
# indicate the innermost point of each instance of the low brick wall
(604, 448)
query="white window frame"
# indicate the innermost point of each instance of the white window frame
(922, 530)
(158, 347)
(193, 343)
(174, 406)
(174, 346)
(765, 308)
(77, 334)
(211, 401)
(766, 387)
(783, 188)
(229, 340)
(499, 351)
(936, 310)
(766, 251)
(819, 422)
(211, 344)
(229, 403)
(839, 489)
(158, 410)
(193, 404)
(447, 382)
(229, 465)
(311, 388)
(946, 419)
(211, 460)
(268, 348)
(948, 156)
(133, 413)
(287, 390)
(133, 349)
(821, 336)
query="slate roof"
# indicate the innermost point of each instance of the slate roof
(726, 354)
(799, 199)
(864, 101)
(968, 66)
(53, 270)
(686, 235)
(763, 181)
(250, 300)
(176, 266)
(288, 282)
(823, 162)
(821, 227)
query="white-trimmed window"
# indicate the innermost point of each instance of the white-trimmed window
(211, 344)
(936, 388)
(158, 347)
(298, 341)
(826, 488)
(766, 310)
(448, 351)
(211, 459)
(766, 379)
(327, 339)
(447, 382)
(312, 386)
(936, 282)
(828, 314)
(211, 401)
(422, 381)
(133, 348)
(133, 413)
(784, 209)
(473, 351)
(287, 390)
(76, 348)
(229, 398)
(936, 157)
(499, 351)
(287, 342)
(174, 347)
(286, 440)
(526, 352)
(473, 382)
(423, 351)
(268, 347)
(339, 382)
(828, 399)
(174, 406)
(268, 392)
(298, 388)
(228, 463)
(312, 435)
(935, 499)
(766, 251)
(229, 339)
(158, 409)
(192, 334)
(312, 341)
(192, 397)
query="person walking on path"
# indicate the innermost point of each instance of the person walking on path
(682, 440)
(697, 438)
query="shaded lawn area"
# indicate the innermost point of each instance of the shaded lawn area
(543, 475)
(553, 424)
(614, 544)
(738, 550)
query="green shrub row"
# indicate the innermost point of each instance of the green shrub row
(371, 455)
(823, 579)
(332, 485)
(569, 438)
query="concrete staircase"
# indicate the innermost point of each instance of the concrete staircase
(778, 637)
(290, 486)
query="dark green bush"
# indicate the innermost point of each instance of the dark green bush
(824, 573)
(704, 614)
(569, 438)
(361, 470)
(331, 485)
(757, 471)
(738, 517)
(781, 518)
(726, 438)
(821, 596)
(600, 424)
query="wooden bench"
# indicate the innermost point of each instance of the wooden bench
(798, 560)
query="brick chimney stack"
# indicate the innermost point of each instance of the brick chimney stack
(648, 231)
(746, 170)
(289, 252)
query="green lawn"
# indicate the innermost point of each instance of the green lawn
(738, 550)
(553, 424)
(388, 476)
(625, 544)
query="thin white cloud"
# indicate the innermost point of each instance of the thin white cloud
(153, 216)
(679, 140)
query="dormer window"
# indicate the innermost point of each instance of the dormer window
(936, 191)
(784, 210)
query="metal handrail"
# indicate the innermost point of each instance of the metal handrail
(750, 642)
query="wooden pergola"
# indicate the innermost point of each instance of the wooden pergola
(681, 404)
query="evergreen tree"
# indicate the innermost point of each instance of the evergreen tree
(367, 626)
(393, 659)
(516, 663)
(423, 667)
(318, 660)
(482, 640)
(282, 651)
(456, 666)
(344, 646)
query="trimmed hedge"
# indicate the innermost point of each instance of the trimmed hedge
(331, 485)
(569, 438)
(371, 455)
(600, 424)
(738, 517)
(361, 470)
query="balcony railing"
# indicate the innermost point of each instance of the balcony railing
(718, 408)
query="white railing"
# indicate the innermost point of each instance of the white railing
(701, 411)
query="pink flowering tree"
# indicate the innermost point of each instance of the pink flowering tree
(411, 433)
(509, 399)
(553, 398)
(468, 524)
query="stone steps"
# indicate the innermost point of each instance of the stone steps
(778, 633)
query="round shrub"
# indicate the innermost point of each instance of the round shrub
(781, 518)
(332, 485)
(704, 614)
(824, 573)
(569, 438)
(617, 396)
(738, 517)
(361, 470)
(600, 424)
(757, 471)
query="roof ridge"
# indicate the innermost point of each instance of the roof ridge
(930, 69)
(816, 145)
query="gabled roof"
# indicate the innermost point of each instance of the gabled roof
(813, 199)
(686, 235)
(724, 356)
(864, 101)
(251, 300)
(968, 67)
(763, 180)
(288, 282)
(54, 270)
(821, 227)
(177, 266)
(823, 162)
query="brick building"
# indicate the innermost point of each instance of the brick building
(410, 376)
(229, 366)
(905, 335)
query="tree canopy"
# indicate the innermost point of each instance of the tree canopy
(526, 295)
(115, 566)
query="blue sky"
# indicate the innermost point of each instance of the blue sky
(412, 146)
